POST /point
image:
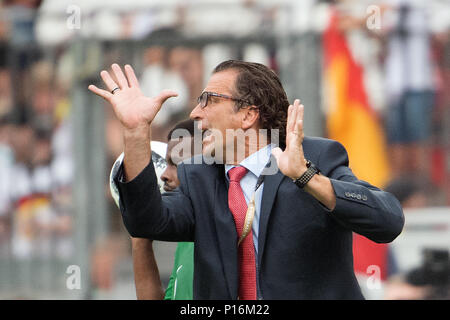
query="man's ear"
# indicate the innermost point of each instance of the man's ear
(250, 117)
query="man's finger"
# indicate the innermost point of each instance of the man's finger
(301, 109)
(299, 120)
(297, 104)
(132, 79)
(288, 121)
(108, 80)
(100, 92)
(291, 119)
(123, 83)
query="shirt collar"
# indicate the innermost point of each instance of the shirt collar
(255, 162)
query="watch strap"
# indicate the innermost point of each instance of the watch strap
(307, 175)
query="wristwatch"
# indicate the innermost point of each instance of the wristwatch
(305, 177)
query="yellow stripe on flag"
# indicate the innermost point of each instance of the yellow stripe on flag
(354, 124)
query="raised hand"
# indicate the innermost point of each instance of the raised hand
(131, 107)
(291, 161)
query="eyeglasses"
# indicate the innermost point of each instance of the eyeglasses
(204, 97)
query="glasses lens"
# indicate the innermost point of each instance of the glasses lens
(201, 100)
(204, 99)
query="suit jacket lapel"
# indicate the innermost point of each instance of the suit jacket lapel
(227, 235)
(271, 184)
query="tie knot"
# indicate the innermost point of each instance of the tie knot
(237, 173)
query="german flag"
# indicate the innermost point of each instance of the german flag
(352, 122)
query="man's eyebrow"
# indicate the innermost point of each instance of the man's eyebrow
(213, 98)
(169, 161)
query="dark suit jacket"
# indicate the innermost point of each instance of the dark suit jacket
(305, 250)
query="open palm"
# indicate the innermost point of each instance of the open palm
(131, 107)
(291, 161)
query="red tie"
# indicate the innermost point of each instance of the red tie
(238, 206)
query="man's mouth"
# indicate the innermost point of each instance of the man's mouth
(168, 188)
(207, 136)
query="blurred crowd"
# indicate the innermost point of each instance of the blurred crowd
(406, 63)
(406, 74)
(36, 160)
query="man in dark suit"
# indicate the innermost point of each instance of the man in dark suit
(299, 228)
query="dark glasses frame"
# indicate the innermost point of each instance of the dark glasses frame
(202, 100)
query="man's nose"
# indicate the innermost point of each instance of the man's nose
(165, 176)
(196, 114)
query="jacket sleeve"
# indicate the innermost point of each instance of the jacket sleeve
(361, 207)
(148, 214)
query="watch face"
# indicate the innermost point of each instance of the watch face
(308, 163)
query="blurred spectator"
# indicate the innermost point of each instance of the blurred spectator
(22, 142)
(42, 95)
(6, 164)
(410, 191)
(106, 255)
(410, 90)
(40, 195)
(158, 75)
(5, 83)
(187, 62)
(35, 222)
(5, 90)
(409, 86)
(21, 15)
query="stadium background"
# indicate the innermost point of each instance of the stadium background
(58, 141)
